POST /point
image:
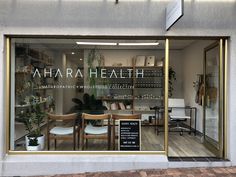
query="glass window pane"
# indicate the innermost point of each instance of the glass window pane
(56, 81)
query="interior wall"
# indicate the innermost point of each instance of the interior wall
(58, 94)
(175, 62)
(192, 66)
(72, 62)
(125, 58)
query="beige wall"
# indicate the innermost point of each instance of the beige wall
(192, 66)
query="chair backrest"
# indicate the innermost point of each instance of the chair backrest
(72, 116)
(126, 116)
(95, 116)
(177, 106)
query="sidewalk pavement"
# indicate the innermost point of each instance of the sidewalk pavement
(180, 172)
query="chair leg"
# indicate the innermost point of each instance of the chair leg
(78, 137)
(82, 143)
(86, 141)
(74, 141)
(113, 141)
(55, 143)
(48, 142)
(113, 136)
(109, 143)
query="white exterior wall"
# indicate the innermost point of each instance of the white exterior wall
(100, 17)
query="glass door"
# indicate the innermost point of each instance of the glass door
(213, 98)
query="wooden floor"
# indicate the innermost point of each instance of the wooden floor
(179, 146)
(187, 146)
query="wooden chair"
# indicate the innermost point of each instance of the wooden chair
(95, 132)
(62, 132)
(116, 117)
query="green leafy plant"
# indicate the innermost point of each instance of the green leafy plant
(25, 117)
(127, 102)
(94, 60)
(33, 142)
(32, 119)
(38, 119)
(89, 105)
(172, 77)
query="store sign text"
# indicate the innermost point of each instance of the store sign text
(101, 73)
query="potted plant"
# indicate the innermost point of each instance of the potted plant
(172, 77)
(33, 145)
(89, 105)
(128, 104)
(33, 120)
(38, 120)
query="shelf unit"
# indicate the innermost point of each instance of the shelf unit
(144, 90)
(26, 59)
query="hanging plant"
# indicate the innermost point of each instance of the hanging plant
(95, 60)
(172, 77)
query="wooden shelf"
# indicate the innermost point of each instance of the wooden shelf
(22, 72)
(28, 105)
(115, 99)
(132, 84)
(39, 60)
(120, 110)
(130, 110)
(149, 77)
(135, 110)
(148, 98)
(115, 67)
(42, 88)
(148, 87)
(149, 67)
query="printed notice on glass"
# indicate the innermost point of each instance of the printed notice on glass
(129, 135)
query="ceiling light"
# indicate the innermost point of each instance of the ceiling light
(80, 59)
(96, 43)
(135, 44)
(72, 53)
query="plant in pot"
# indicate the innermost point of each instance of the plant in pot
(38, 119)
(89, 105)
(33, 119)
(33, 145)
(128, 104)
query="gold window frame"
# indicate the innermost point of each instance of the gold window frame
(7, 77)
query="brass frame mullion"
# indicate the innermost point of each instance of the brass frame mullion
(221, 100)
(225, 98)
(7, 91)
(218, 151)
(166, 94)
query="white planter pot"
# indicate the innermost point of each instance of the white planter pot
(33, 148)
(128, 106)
(41, 142)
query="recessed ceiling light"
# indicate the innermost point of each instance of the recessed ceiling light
(96, 43)
(80, 59)
(72, 53)
(143, 43)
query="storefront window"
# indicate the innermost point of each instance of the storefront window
(87, 95)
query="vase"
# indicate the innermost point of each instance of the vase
(33, 148)
(41, 141)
